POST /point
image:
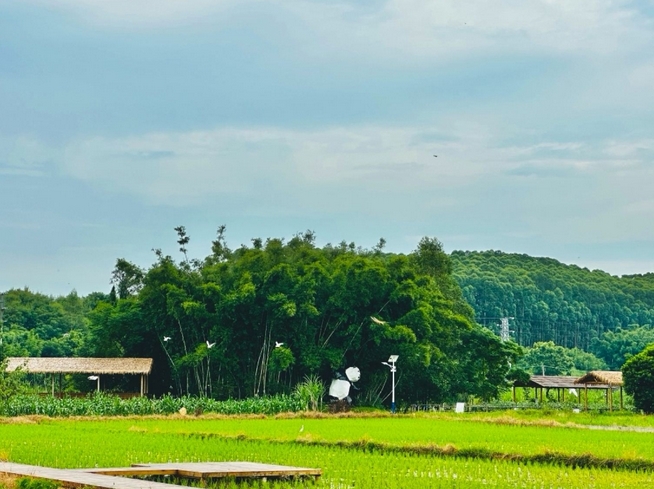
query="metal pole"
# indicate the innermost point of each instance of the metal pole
(393, 389)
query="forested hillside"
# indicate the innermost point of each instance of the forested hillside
(550, 301)
(257, 320)
(41, 326)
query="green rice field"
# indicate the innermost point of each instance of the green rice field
(354, 452)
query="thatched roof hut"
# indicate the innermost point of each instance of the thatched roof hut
(98, 366)
(94, 366)
(607, 377)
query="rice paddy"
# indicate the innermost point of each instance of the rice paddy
(399, 452)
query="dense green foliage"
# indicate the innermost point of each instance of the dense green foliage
(214, 326)
(546, 358)
(318, 302)
(11, 383)
(638, 374)
(37, 325)
(107, 405)
(550, 301)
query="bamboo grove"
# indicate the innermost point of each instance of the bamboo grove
(259, 319)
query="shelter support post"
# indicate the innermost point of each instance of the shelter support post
(610, 397)
(52, 379)
(586, 397)
(142, 384)
(621, 400)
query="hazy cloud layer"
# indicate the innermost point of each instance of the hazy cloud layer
(122, 119)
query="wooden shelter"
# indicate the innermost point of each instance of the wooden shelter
(602, 379)
(92, 366)
(543, 383)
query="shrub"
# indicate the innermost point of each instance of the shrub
(310, 392)
(638, 374)
(29, 483)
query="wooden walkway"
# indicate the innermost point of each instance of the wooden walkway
(117, 478)
(208, 470)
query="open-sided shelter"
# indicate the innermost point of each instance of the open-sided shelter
(543, 383)
(90, 366)
(602, 379)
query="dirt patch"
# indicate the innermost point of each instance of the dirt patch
(7, 481)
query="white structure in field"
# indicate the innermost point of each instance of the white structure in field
(340, 386)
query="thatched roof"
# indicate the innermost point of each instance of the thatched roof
(601, 377)
(99, 366)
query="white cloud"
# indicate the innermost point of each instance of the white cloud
(25, 156)
(445, 28)
(138, 13)
(581, 187)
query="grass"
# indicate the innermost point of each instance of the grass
(353, 452)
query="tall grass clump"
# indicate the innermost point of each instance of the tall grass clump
(310, 392)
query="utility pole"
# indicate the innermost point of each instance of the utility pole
(505, 332)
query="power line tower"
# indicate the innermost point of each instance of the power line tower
(505, 332)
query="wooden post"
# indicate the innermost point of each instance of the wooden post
(621, 403)
(610, 397)
(563, 395)
(52, 378)
(98, 388)
(541, 395)
(142, 385)
(586, 397)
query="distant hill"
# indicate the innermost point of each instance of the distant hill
(551, 300)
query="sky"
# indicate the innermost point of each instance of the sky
(122, 120)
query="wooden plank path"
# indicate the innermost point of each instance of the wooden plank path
(209, 470)
(75, 478)
(115, 478)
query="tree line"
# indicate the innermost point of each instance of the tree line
(258, 319)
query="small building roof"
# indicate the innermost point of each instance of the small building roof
(601, 377)
(551, 382)
(100, 366)
(557, 382)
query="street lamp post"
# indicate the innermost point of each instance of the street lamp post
(391, 365)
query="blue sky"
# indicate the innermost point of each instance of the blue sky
(121, 120)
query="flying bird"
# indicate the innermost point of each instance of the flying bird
(301, 428)
(166, 338)
(278, 344)
(93, 377)
(210, 345)
(377, 321)
(435, 156)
